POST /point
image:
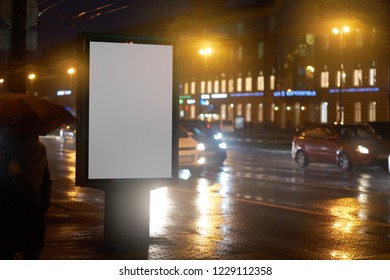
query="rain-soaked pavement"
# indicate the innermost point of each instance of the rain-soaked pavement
(259, 205)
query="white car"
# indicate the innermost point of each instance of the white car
(191, 153)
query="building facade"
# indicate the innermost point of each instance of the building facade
(283, 63)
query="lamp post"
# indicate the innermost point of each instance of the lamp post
(340, 32)
(32, 76)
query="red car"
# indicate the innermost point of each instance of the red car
(346, 145)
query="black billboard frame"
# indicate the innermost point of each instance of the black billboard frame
(82, 124)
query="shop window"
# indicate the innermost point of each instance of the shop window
(273, 109)
(324, 112)
(230, 112)
(223, 112)
(338, 108)
(239, 110)
(372, 111)
(248, 112)
(192, 112)
(357, 112)
(260, 112)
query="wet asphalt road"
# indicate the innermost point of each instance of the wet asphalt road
(259, 205)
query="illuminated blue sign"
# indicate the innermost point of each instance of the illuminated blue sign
(337, 90)
(246, 94)
(289, 93)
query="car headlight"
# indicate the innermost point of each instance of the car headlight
(363, 150)
(201, 147)
(222, 145)
(201, 160)
(218, 136)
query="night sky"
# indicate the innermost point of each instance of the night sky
(62, 20)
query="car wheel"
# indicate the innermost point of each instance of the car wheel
(301, 159)
(344, 162)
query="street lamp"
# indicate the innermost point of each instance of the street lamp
(32, 77)
(341, 75)
(1, 85)
(206, 52)
(71, 71)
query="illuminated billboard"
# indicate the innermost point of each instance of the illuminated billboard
(127, 111)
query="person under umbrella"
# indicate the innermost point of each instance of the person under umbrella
(25, 183)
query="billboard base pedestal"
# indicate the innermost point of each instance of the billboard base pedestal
(126, 221)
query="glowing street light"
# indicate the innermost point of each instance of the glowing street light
(32, 76)
(1, 85)
(340, 31)
(206, 51)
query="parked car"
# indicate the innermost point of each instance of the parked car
(68, 132)
(346, 145)
(215, 147)
(381, 128)
(191, 153)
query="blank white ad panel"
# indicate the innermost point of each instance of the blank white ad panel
(130, 111)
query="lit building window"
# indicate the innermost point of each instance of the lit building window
(223, 85)
(358, 112)
(260, 113)
(231, 85)
(248, 84)
(372, 111)
(186, 88)
(272, 82)
(260, 82)
(359, 38)
(357, 77)
(239, 53)
(223, 112)
(210, 86)
(216, 86)
(341, 77)
(260, 50)
(239, 109)
(202, 87)
(239, 84)
(372, 74)
(248, 112)
(324, 112)
(325, 77)
(193, 87)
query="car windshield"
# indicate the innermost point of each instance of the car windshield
(357, 131)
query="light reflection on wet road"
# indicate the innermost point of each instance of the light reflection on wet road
(260, 203)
